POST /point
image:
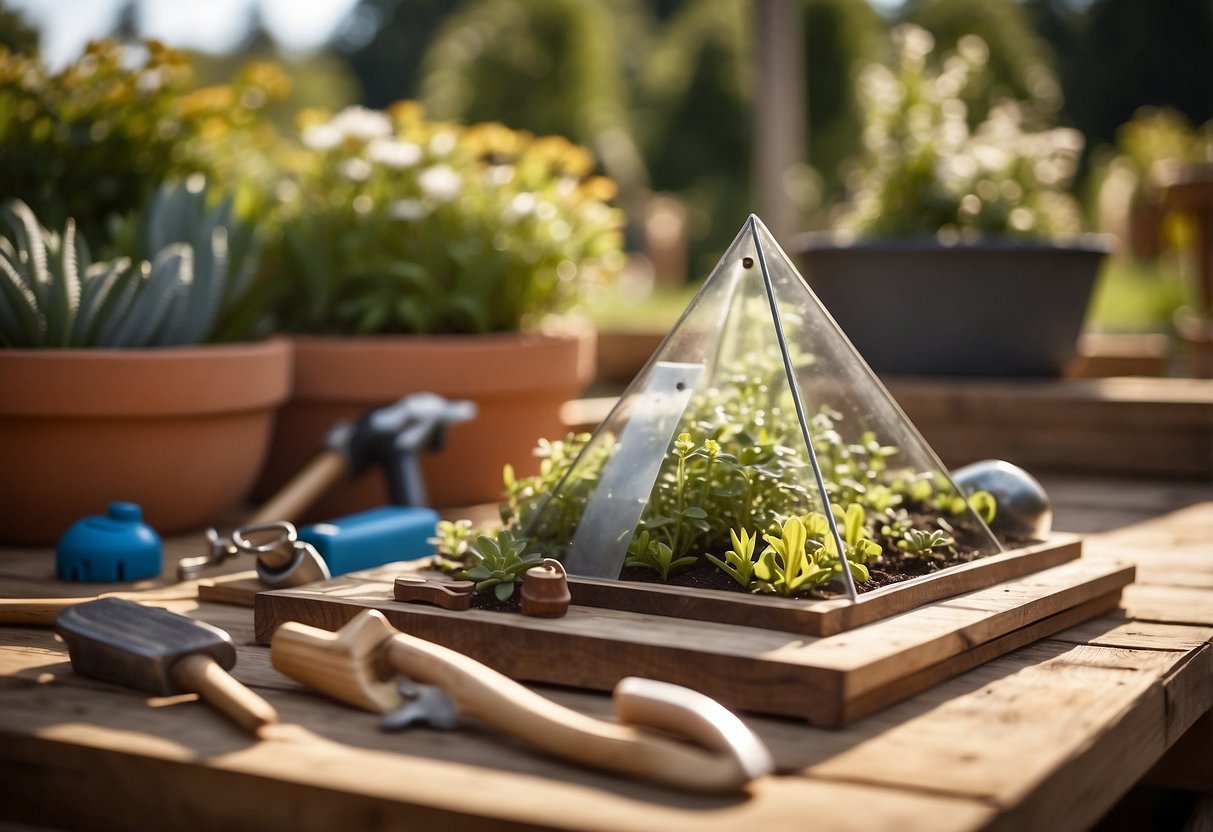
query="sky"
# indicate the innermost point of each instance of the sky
(207, 25)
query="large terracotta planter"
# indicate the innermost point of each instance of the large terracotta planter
(519, 381)
(181, 431)
(990, 308)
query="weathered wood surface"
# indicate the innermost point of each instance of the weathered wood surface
(1046, 737)
(827, 681)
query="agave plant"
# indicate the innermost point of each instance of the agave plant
(53, 295)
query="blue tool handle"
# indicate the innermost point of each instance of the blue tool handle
(373, 538)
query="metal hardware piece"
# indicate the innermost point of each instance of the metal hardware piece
(221, 549)
(428, 704)
(283, 560)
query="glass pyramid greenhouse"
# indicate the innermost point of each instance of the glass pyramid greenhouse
(756, 439)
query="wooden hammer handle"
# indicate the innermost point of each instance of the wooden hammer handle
(201, 674)
(511, 708)
(39, 612)
(304, 489)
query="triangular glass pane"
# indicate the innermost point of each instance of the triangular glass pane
(704, 459)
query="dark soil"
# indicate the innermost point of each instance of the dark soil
(488, 601)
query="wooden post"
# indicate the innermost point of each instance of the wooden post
(779, 106)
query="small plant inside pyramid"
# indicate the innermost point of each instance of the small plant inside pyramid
(755, 451)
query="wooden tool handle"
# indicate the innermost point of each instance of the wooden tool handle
(304, 488)
(511, 708)
(41, 612)
(201, 674)
(34, 611)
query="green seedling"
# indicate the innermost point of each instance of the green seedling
(921, 543)
(655, 555)
(738, 562)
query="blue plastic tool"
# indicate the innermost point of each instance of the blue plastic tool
(116, 546)
(373, 538)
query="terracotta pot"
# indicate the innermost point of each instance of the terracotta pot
(519, 381)
(181, 431)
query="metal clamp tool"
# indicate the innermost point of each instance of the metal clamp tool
(282, 560)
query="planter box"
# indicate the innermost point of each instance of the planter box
(990, 308)
(760, 666)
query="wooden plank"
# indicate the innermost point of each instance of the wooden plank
(762, 670)
(821, 618)
(1118, 631)
(237, 589)
(1188, 765)
(1168, 604)
(878, 698)
(1051, 734)
(127, 764)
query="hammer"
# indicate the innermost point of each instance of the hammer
(159, 652)
(719, 754)
(392, 436)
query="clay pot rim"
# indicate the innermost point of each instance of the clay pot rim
(145, 382)
(503, 363)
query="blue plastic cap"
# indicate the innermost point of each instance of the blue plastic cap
(114, 547)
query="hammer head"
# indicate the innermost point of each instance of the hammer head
(129, 644)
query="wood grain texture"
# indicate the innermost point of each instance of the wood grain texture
(827, 681)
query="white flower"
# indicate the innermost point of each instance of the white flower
(913, 43)
(973, 49)
(393, 153)
(499, 175)
(321, 137)
(521, 205)
(440, 183)
(355, 169)
(361, 123)
(407, 210)
(442, 143)
(150, 80)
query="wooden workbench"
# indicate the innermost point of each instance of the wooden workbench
(1047, 737)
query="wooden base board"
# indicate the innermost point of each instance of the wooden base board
(811, 618)
(822, 618)
(828, 681)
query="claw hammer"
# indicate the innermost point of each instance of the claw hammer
(159, 652)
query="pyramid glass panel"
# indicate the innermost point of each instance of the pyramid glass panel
(753, 448)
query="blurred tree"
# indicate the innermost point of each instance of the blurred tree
(16, 34)
(384, 42)
(693, 120)
(841, 37)
(1115, 56)
(553, 67)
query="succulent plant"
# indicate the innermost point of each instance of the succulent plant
(500, 562)
(53, 295)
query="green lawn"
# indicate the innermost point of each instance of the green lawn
(1136, 296)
